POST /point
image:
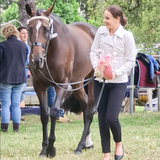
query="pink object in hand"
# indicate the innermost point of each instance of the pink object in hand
(108, 74)
(105, 67)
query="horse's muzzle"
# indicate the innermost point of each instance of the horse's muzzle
(38, 63)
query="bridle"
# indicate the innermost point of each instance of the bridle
(51, 35)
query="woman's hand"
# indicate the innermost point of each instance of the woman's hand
(98, 74)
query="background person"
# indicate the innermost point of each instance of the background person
(118, 44)
(12, 76)
(23, 36)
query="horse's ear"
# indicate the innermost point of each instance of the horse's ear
(49, 10)
(29, 10)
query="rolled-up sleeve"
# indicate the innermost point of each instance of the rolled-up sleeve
(129, 55)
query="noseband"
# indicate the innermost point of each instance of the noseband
(39, 44)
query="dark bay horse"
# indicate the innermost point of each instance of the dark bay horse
(60, 55)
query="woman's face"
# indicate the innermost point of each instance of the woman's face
(110, 21)
(23, 35)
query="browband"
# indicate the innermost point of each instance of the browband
(37, 17)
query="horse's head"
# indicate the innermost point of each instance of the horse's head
(40, 31)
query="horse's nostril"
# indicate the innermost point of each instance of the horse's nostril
(40, 60)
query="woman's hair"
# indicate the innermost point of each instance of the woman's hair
(116, 11)
(8, 30)
(22, 27)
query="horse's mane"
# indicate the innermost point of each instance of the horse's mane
(57, 19)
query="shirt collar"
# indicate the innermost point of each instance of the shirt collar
(119, 32)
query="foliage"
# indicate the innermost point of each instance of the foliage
(68, 12)
(10, 13)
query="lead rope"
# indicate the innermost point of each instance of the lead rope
(67, 84)
(100, 95)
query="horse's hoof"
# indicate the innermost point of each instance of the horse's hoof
(51, 152)
(77, 152)
(42, 154)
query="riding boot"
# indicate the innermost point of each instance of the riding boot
(15, 127)
(4, 127)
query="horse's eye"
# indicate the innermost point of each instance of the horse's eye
(46, 29)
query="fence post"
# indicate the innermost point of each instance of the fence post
(158, 89)
(131, 91)
(149, 95)
(158, 98)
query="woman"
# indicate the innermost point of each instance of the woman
(118, 44)
(23, 36)
(12, 76)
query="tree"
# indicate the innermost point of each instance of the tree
(67, 10)
(23, 16)
(16, 10)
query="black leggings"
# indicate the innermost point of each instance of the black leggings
(108, 111)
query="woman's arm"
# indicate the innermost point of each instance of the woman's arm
(129, 55)
(95, 46)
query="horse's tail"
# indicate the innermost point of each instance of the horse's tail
(71, 104)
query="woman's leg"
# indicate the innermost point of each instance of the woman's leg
(102, 112)
(15, 105)
(5, 94)
(23, 93)
(51, 96)
(116, 95)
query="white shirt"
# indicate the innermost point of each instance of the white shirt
(121, 47)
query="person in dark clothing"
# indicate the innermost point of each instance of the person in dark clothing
(23, 36)
(12, 76)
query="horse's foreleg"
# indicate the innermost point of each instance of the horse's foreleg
(51, 150)
(89, 113)
(44, 115)
(44, 120)
(88, 102)
(85, 142)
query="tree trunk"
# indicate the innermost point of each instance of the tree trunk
(23, 16)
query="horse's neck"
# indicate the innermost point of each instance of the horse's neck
(59, 27)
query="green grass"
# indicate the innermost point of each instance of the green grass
(140, 136)
(139, 108)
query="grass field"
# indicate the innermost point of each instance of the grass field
(140, 134)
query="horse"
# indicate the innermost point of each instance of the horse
(60, 57)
